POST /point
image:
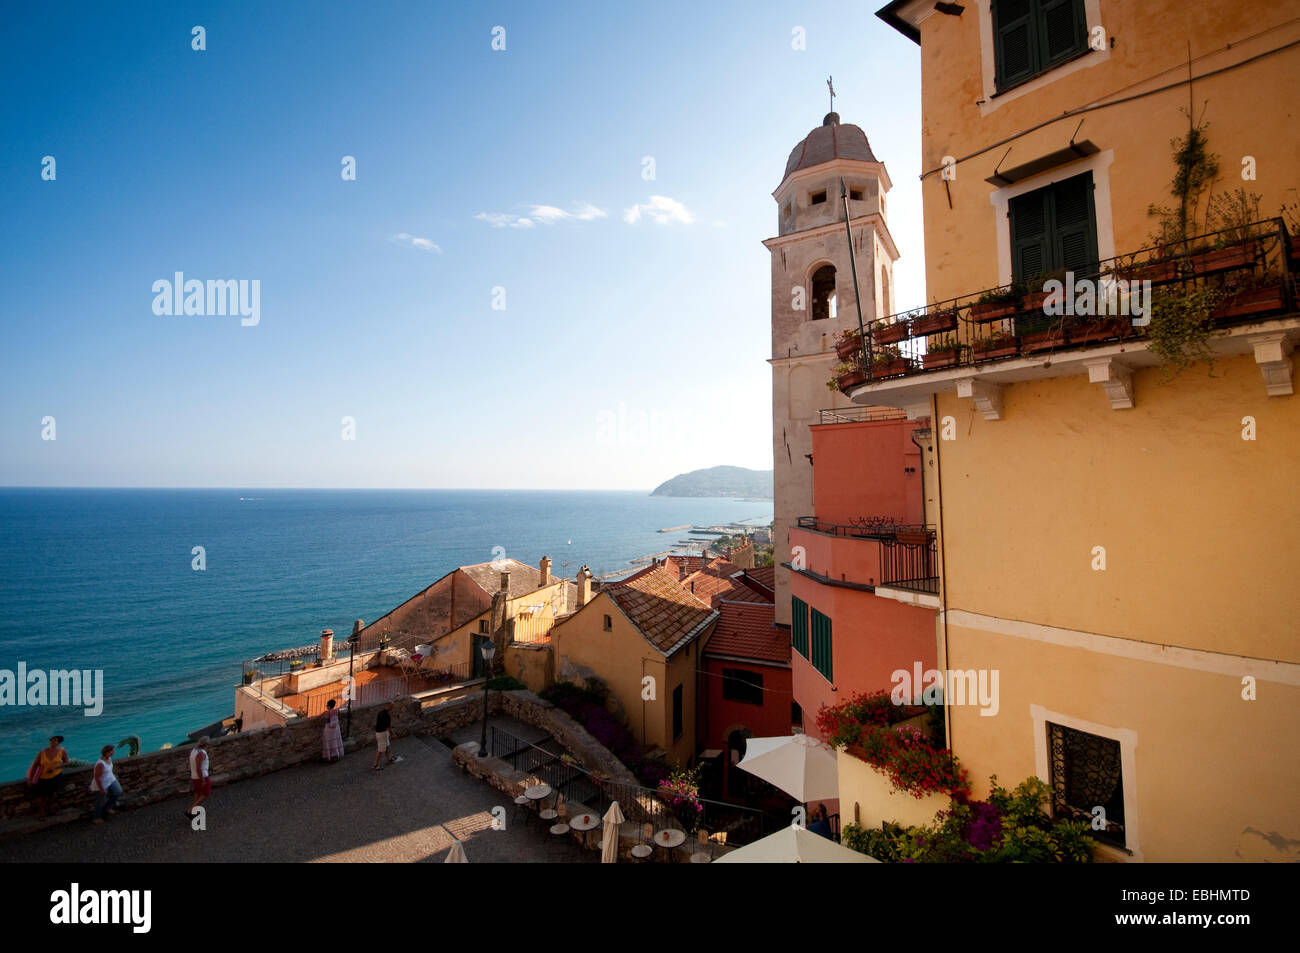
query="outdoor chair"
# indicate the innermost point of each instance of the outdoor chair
(522, 805)
(705, 854)
(643, 848)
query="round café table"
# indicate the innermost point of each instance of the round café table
(669, 840)
(585, 823)
(537, 793)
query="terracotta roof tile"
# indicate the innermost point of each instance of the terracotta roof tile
(657, 604)
(745, 630)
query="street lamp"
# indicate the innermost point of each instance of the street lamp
(353, 639)
(488, 650)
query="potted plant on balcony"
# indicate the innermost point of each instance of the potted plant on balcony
(996, 344)
(848, 343)
(939, 322)
(1043, 338)
(942, 353)
(1248, 298)
(1033, 300)
(888, 362)
(1085, 330)
(1182, 322)
(882, 332)
(845, 376)
(997, 303)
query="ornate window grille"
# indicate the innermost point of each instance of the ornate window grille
(1087, 775)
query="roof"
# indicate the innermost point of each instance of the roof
(682, 566)
(828, 142)
(761, 579)
(745, 630)
(662, 610)
(523, 577)
(743, 594)
(892, 14)
(714, 581)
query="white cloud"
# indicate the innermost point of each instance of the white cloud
(504, 220)
(661, 210)
(416, 241)
(543, 215)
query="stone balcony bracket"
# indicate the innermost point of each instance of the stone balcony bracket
(1115, 378)
(987, 396)
(1273, 355)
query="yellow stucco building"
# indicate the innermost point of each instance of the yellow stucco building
(1117, 541)
(641, 637)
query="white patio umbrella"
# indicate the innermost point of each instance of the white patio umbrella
(795, 845)
(609, 839)
(457, 854)
(802, 767)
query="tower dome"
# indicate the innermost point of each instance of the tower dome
(831, 140)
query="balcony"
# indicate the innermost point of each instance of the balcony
(906, 554)
(1243, 280)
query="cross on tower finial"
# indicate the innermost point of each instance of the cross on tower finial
(832, 89)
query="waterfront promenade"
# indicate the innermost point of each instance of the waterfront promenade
(408, 812)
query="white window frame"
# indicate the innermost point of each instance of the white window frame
(1099, 165)
(1128, 740)
(992, 99)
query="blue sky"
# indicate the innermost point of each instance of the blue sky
(627, 351)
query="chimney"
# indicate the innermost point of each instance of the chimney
(356, 630)
(326, 645)
(505, 582)
(584, 586)
(545, 566)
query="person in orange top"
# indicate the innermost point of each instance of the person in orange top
(46, 774)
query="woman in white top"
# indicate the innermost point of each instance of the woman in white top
(103, 783)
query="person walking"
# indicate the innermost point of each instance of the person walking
(46, 774)
(383, 736)
(104, 785)
(200, 779)
(332, 735)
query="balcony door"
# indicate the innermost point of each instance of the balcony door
(1053, 229)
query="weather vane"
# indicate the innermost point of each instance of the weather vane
(832, 89)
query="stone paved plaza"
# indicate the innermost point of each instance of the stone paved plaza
(315, 812)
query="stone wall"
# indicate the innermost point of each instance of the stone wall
(159, 775)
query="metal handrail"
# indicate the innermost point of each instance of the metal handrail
(1168, 264)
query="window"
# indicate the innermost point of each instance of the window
(1034, 36)
(1087, 775)
(483, 626)
(855, 195)
(609, 624)
(799, 626)
(739, 685)
(817, 198)
(1053, 229)
(796, 715)
(677, 712)
(823, 293)
(821, 644)
(884, 290)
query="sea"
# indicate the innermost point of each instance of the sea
(105, 579)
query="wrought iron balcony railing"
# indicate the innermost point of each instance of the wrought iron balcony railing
(1251, 269)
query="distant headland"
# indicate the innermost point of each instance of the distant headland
(736, 482)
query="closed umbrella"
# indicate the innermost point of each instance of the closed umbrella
(609, 840)
(795, 845)
(802, 767)
(457, 854)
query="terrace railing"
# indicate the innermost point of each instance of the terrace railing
(1254, 268)
(639, 804)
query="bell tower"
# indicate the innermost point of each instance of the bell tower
(813, 300)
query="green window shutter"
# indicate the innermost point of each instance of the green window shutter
(1031, 249)
(1075, 225)
(1014, 46)
(799, 626)
(1062, 31)
(821, 645)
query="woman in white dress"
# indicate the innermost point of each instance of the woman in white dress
(332, 737)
